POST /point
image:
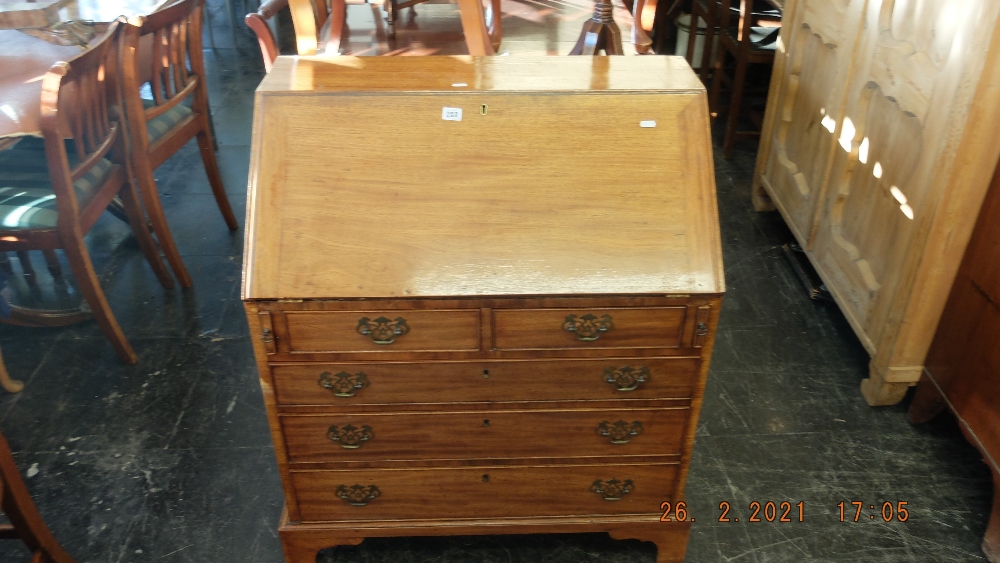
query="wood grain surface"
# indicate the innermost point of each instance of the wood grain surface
(481, 435)
(486, 381)
(465, 493)
(461, 214)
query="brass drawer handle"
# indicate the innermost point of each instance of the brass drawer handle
(620, 432)
(343, 384)
(701, 329)
(358, 495)
(382, 330)
(626, 378)
(612, 489)
(350, 437)
(588, 327)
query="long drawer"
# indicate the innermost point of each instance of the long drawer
(482, 492)
(538, 329)
(350, 383)
(481, 435)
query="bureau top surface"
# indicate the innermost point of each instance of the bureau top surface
(333, 75)
(538, 190)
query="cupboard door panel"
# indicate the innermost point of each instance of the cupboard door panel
(820, 41)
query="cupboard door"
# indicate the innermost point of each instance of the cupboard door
(908, 102)
(817, 47)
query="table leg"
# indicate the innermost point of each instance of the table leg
(600, 33)
(477, 35)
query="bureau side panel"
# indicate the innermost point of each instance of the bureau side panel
(271, 405)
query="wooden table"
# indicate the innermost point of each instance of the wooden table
(490, 337)
(25, 58)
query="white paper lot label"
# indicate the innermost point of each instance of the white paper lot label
(451, 114)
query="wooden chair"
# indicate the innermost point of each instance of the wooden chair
(177, 113)
(26, 523)
(710, 11)
(52, 191)
(747, 45)
(258, 22)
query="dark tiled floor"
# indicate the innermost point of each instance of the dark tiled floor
(170, 459)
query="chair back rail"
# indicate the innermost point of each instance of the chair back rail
(76, 96)
(257, 21)
(175, 35)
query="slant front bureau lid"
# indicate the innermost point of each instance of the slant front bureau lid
(385, 177)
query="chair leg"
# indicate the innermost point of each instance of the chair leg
(53, 263)
(713, 93)
(29, 272)
(24, 518)
(215, 176)
(732, 122)
(692, 27)
(706, 50)
(137, 220)
(11, 385)
(154, 209)
(86, 279)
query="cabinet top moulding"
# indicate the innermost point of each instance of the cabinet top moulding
(572, 176)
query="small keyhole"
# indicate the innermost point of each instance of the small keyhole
(486, 422)
(486, 478)
(486, 374)
(482, 109)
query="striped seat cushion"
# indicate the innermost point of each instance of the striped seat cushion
(26, 197)
(163, 123)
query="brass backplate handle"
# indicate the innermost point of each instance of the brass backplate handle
(358, 495)
(612, 489)
(350, 437)
(626, 378)
(588, 328)
(343, 384)
(382, 330)
(619, 432)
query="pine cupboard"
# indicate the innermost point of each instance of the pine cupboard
(485, 331)
(879, 142)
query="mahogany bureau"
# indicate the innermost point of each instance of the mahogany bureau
(502, 325)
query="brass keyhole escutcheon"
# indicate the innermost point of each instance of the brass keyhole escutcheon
(486, 374)
(486, 422)
(486, 478)
(482, 109)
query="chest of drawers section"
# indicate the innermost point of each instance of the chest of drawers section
(508, 408)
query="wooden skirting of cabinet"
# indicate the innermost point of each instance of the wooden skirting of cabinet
(878, 145)
(508, 342)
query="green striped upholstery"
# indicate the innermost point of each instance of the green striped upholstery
(162, 124)
(26, 197)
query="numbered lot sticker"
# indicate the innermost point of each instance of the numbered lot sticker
(451, 114)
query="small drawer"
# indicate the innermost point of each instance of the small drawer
(357, 383)
(484, 435)
(482, 492)
(383, 331)
(541, 329)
